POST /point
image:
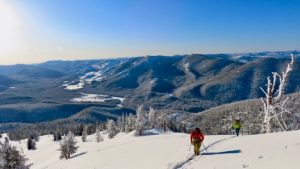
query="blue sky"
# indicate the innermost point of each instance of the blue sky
(88, 29)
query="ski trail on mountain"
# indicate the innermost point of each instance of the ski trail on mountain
(190, 158)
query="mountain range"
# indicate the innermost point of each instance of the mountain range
(108, 88)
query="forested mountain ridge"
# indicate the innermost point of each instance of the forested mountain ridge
(188, 83)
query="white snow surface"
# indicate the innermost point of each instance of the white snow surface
(96, 98)
(171, 151)
(95, 75)
(88, 77)
(186, 66)
(80, 85)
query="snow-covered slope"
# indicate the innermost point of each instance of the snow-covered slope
(171, 151)
(268, 151)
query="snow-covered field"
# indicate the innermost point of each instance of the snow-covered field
(96, 98)
(73, 86)
(171, 151)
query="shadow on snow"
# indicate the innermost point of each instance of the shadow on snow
(223, 152)
(76, 155)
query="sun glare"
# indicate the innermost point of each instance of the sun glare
(10, 32)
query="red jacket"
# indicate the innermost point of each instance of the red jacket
(197, 135)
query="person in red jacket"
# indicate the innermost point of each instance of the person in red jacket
(197, 138)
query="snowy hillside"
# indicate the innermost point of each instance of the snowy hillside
(171, 151)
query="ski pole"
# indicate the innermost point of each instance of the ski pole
(190, 147)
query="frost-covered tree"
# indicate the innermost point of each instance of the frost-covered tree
(99, 137)
(68, 146)
(111, 129)
(11, 158)
(274, 104)
(84, 134)
(152, 118)
(163, 122)
(141, 121)
(122, 123)
(129, 123)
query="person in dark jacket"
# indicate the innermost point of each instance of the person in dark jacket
(197, 138)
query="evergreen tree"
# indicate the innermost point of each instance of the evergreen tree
(152, 118)
(129, 123)
(68, 146)
(141, 121)
(54, 137)
(30, 144)
(99, 137)
(121, 123)
(91, 129)
(79, 130)
(111, 130)
(10, 157)
(163, 122)
(35, 137)
(84, 134)
(6, 140)
(57, 137)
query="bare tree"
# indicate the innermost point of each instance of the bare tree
(274, 104)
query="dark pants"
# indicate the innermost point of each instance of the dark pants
(237, 131)
(197, 145)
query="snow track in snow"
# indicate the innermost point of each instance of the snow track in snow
(191, 158)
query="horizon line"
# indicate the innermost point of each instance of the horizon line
(127, 57)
